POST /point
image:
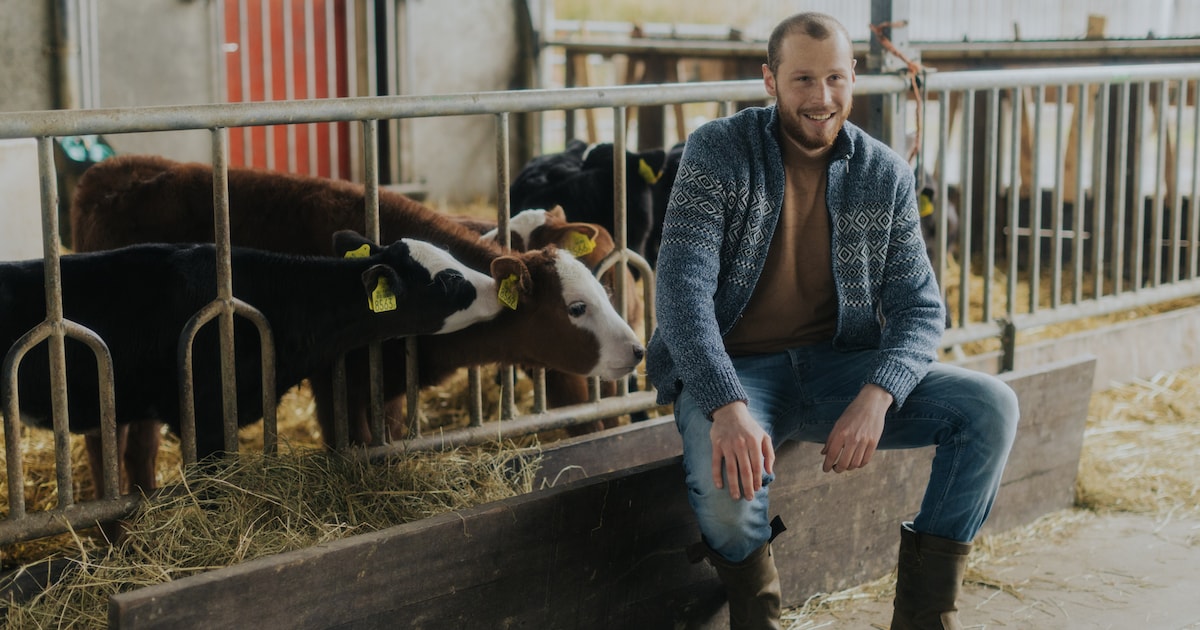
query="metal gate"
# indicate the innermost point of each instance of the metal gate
(1131, 242)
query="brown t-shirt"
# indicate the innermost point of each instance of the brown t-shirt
(794, 302)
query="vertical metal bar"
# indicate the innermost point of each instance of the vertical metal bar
(1060, 153)
(1194, 200)
(405, 71)
(1035, 204)
(393, 86)
(12, 435)
(991, 174)
(331, 90)
(620, 219)
(966, 204)
(371, 212)
(1139, 196)
(220, 160)
(507, 373)
(1100, 189)
(310, 76)
(268, 79)
(1160, 169)
(1077, 262)
(289, 82)
(1176, 191)
(1120, 168)
(244, 61)
(341, 413)
(1014, 202)
(54, 317)
(352, 87)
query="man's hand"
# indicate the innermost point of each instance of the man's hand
(740, 449)
(856, 434)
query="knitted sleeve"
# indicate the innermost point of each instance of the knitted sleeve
(689, 269)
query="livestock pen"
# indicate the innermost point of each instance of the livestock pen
(1130, 246)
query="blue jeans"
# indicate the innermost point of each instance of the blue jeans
(799, 395)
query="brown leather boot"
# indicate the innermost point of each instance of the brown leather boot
(928, 578)
(751, 586)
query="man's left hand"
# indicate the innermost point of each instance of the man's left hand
(856, 434)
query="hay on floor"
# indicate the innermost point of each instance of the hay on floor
(254, 505)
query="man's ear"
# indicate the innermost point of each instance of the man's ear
(513, 282)
(768, 79)
(351, 244)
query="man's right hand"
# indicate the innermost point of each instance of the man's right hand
(741, 450)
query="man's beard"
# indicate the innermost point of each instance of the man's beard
(793, 126)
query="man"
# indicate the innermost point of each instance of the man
(796, 301)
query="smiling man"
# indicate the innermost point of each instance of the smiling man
(795, 300)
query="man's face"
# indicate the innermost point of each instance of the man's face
(812, 90)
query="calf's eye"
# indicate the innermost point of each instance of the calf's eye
(577, 309)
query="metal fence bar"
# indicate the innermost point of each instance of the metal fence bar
(1079, 210)
(1120, 168)
(1100, 189)
(369, 109)
(1035, 203)
(1060, 153)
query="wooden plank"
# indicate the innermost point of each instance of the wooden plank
(608, 550)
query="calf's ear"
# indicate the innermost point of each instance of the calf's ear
(577, 238)
(513, 282)
(557, 212)
(351, 244)
(383, 287)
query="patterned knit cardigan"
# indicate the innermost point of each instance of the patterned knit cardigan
(722, 214)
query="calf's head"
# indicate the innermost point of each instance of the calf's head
(560, 317)
(415, 287)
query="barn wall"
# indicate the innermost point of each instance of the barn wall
(462, 46)
(167, 62)
(26, 62)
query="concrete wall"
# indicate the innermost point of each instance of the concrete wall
(157, 52)
(461, 46)
(26, 61)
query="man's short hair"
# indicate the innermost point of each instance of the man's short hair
(818, 26)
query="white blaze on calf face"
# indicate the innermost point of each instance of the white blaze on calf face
(436, 260)
(521, 224)
(589, 308)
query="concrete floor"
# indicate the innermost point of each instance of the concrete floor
(1118, 572)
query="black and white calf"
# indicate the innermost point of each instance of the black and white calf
(139, 299)
(580, 179)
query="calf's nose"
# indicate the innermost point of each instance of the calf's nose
(638, 352)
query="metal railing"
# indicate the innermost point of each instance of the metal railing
(991, 253)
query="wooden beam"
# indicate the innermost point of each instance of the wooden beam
(609, 550)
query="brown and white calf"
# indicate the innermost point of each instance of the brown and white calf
(563, 318)
(592, 244)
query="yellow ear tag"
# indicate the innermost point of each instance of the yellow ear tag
(361, 252)
(382, 298)
(648, 173)
(508, 292)
(579, 244)
(924, 205)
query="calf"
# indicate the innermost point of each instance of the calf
(563, 319)
(580, 179)
(591, 244)
(139, 299)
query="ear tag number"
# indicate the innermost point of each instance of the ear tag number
(579, 244)
(361, 252)
(924, 205)
(648, 173)
(508, 292)
(382, 298)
